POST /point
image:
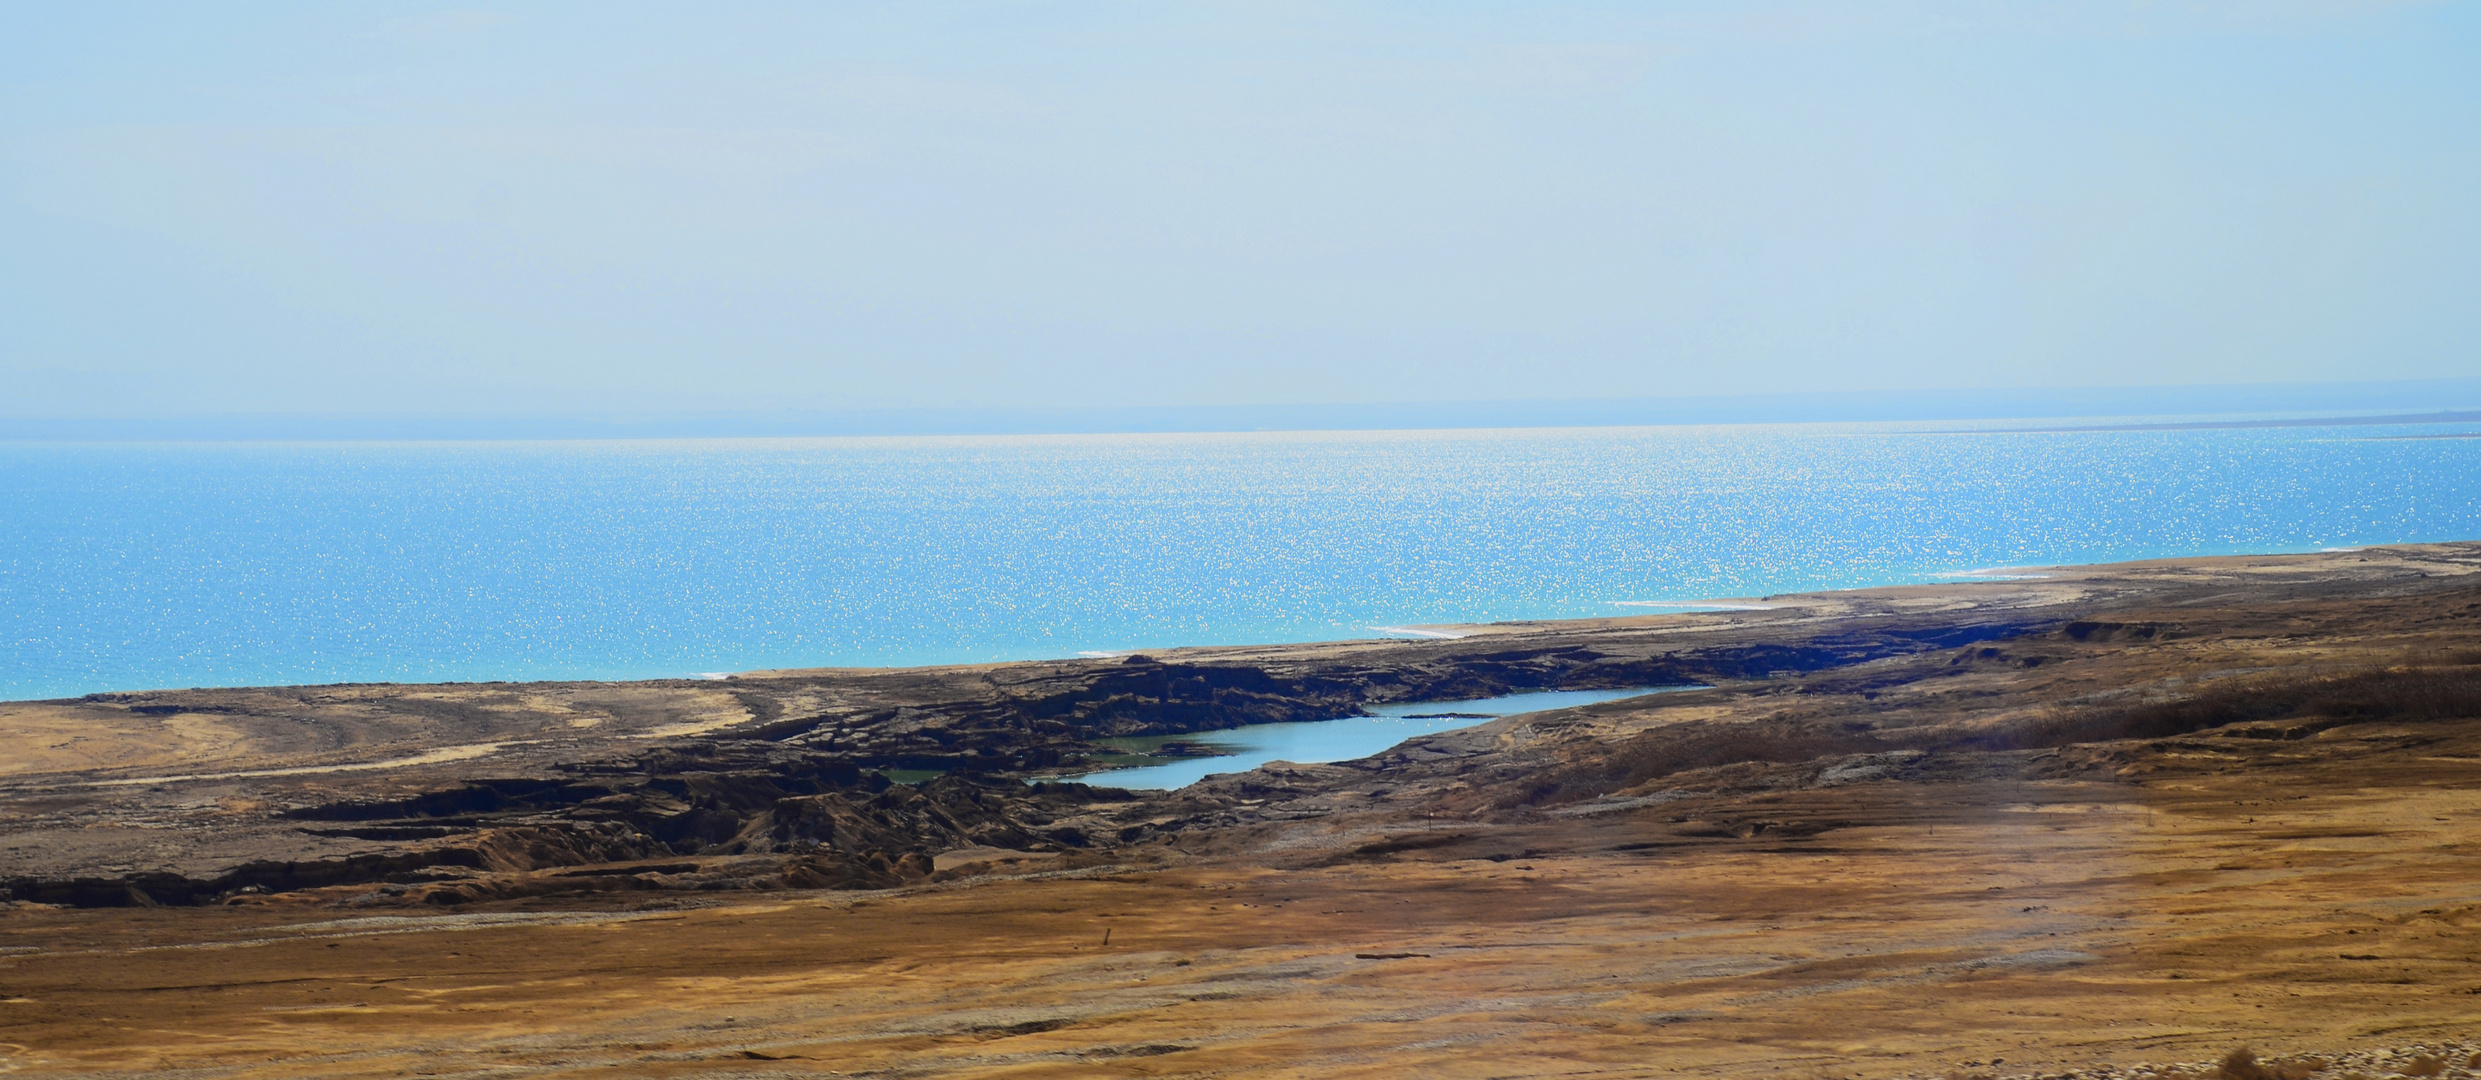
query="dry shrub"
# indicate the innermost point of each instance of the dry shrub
(2296, 1068)
(2424, 1065)
(2241, 1064)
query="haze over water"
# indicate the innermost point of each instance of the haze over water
(130, 566)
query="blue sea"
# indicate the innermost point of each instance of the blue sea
(145, 565)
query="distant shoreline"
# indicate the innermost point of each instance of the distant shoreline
(2055, 403)
(2458, 417)
(1797, 606)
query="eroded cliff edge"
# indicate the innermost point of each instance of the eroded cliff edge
(477, 793)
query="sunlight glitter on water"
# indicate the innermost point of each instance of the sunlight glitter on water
(1342, 739)
(128, 566)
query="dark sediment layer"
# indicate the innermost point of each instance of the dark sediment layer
(803, 777)
(2125, 814)
(782, 782)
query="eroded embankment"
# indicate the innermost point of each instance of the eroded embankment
(1023, 717)
(1982, 913)
(790, 789)
(2172, 810)
(805, 802)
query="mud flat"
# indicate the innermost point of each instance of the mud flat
(2109, 819)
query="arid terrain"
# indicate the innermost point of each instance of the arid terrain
(2105, 819)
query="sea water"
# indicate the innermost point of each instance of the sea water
(1342, 738)
(126, 566)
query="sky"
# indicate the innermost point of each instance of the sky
(407, 208)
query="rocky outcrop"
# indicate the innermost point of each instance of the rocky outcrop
(460, 792)
(1042, 716)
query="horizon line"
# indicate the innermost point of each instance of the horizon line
(2278, 404)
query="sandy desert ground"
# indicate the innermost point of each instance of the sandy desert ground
(2107, 820)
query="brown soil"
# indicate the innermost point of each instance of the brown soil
(2125, 814)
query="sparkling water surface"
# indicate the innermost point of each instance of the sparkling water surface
(126, 566)
(1341, 739)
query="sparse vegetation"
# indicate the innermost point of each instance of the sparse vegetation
(2241, 1064)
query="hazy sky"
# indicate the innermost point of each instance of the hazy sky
(401, 207)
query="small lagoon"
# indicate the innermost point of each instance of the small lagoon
(1343, 739)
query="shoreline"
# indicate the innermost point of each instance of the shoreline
(547, 586)
(2140, 812)
(1006, 721)
(1445, 630)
